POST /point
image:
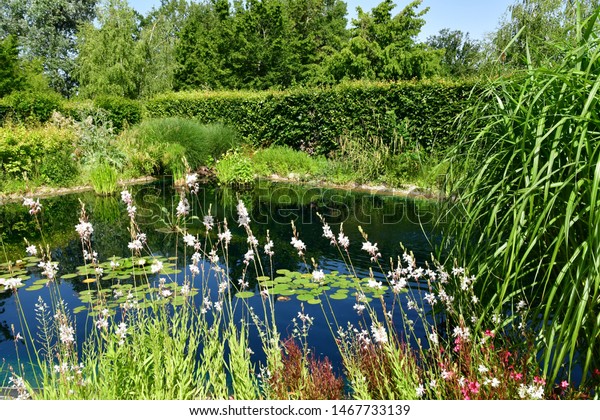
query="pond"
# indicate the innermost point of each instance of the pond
(389, 221)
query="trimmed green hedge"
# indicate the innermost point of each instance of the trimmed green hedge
(29, 107)
(313, 119)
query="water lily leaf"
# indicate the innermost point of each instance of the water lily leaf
(244, 295)
(283, 271)
(79, 309)
(34, 287)
(178, 301)
(263, 278)
(313, 301)
(69, 276)
(305, 297)
(339, 296)
(287, 292)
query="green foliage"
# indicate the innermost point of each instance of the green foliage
(257, 44)
(283, 160)
(47, 31)
(314, 119)
(383, 47)
(198, 142)
(527, 177)
(29, 107)
(104, 179)
(120, 111)
(533, 32)
(461, 54)
(38, 155)
(10, 74)
(234, 168)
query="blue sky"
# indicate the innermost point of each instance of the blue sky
(477, 17)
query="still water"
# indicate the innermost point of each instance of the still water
(389, 221)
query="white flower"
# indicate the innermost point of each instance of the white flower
(379, 333)
(430, 298)
(166, 293)
(189, 240)
(495, 383)
(194, 270)
(461, 332)
(126, 197)
(34, 206)
(243, 217)
(343, 240)
(433, 338)
(482, 369)
(114, 264)
(31, 250)
(185, 290)
(183, 207)
(243, 284)
(67, 334)
(225, 236)
(374, 284)
(269, 249)
(359, 308)
(433, 383)
(84, 229)
(135, 245)
(327, 233)
(156, 266)
(248, 256)
(121, 333)
(521, 305)
(446, 375)
(12, 283)
(318, 276)
(496, 319)
(372, 250)
(420, 390)
(218, 306)
(49, 269)
(208, 222)
(457, 271)
(299, 245)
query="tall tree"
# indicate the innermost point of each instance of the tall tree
(108, 63)
(47, 30)
(385, 47)
(11, 77)
(461, 54)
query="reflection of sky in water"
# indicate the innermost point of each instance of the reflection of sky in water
(389, 222)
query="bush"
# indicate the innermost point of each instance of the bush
(199, 142)
(314, 119)
(120, 111)
(234, 169)
(43, 153)
(283, 160)
(29, 107)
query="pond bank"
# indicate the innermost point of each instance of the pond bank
(411, 191)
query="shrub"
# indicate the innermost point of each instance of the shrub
(234, 168)
(200, 142)
(283, 160)
(43, 153)
(121, 112)
(29, 107)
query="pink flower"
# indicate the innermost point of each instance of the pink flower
(564, 384)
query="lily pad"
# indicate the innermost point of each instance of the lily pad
(34, 287)
(69, 276)
(245, 294)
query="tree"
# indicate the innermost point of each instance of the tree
(531, 30)
(461, 54)
(11, 78)
(257, 44)
(47, 30)
(385, 47)
(108, 63)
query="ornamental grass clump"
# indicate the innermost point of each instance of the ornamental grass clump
(526, 176)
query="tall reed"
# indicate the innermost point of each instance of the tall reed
(527, 177)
